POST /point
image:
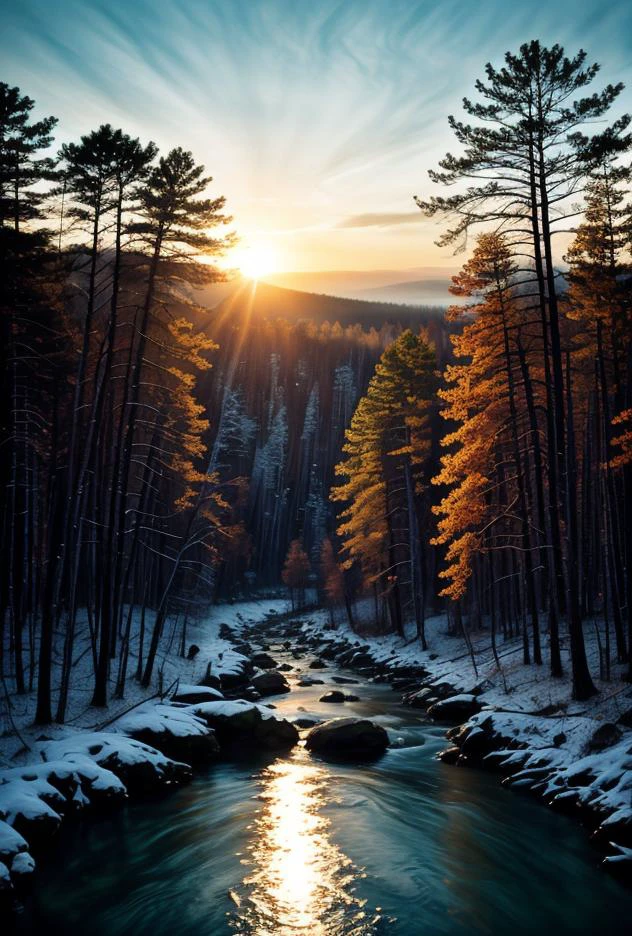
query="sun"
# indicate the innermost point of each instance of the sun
(255, 261)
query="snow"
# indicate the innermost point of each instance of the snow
(100, 746)
(23, 863)
(181, 723)
(186, 690)
(19, 799)
(11, 842)
(175, 671)
(229, 709)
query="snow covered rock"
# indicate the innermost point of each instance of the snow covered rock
(270, 683)
(190, 694)
(22, 868)
(333, 696)
(232, 669)
(347, 737)
(246, 725)
(456, 708)
(23, 807)
(11, 843)
(138, 766)
(6, 887)
(174, 731)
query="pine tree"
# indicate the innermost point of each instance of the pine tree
(524, 160)
(387, 445)
(296, 573)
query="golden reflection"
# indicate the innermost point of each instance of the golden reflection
(299, 880)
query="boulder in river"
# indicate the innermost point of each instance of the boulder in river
(317, 664)
(309, 681)
(344, 680)
(334, 695)
(246, 726)
(347, 737)
(263, 660)
(270, 683)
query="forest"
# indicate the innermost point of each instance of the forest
(168, 448)
(159, 453)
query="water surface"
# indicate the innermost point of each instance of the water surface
(283, 846)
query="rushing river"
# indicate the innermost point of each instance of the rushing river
(292, 845)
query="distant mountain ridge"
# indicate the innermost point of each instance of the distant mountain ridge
(419, 286)
(269, 301)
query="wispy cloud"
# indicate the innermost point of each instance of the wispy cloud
(302, 112)
(381, 219)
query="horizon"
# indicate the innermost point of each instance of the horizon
(357, 96)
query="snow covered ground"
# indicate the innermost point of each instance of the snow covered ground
(170, 667)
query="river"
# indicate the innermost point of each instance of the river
(292, 845)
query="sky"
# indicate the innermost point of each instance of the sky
(318, 119)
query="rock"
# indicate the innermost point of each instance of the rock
(559, 739)
(352, 698)
(22, 868)
(347, 737)
(270, 683)
(344, 680)
(419, 699)
(333, 696)
(317, 664)
(455, 709)
(361, 658)
(193, 652)
(245, 726)
(306, 722)
(475, 743)
(11, 843)
(213, 682)
(604, 737)
(251, 694)
(284, 668)
(407, 672)
(309, 681)
(263, 660)
(173, 731)
(26, 811)
(449, 755)
(190, 694)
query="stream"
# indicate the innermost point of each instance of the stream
(290, 845)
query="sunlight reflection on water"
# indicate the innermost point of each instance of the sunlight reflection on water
(299, 879)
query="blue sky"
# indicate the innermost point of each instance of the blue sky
(318, 120)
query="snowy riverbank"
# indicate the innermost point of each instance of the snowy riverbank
(142, 745)
(516, 719)
(576, 757)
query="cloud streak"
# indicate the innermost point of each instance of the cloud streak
(381, 219)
